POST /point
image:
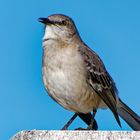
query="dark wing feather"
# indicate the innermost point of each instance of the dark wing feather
(100, 80)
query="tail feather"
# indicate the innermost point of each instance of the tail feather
(129, 116)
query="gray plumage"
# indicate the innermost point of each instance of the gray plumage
(75, 76)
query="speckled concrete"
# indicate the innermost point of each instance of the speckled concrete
(76, 135)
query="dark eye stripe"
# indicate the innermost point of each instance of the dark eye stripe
(60, 23)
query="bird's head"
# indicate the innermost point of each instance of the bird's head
(59, 26)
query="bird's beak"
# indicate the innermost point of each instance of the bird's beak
(45, 21)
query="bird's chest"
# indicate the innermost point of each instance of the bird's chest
(64, 74)
(65, 78)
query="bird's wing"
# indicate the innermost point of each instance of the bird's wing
(99, 79)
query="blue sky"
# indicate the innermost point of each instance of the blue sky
(111, 28)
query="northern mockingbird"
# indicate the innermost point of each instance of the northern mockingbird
(75, 76)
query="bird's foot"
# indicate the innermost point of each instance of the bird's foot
(86, 129)
(93, 126)
(69, 122)
(80, 128)
(65, 128)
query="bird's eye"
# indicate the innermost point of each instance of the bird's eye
(64, 22)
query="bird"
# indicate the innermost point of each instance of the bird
(75, 76)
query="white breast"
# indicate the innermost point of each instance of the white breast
(64, 76)
(49, 32)
(64, 71)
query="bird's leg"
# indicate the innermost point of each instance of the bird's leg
(93, 123)
(69, 122)
(89, 120)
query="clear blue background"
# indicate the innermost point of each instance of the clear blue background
(111, 28)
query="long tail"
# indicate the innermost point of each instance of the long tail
(129, 116)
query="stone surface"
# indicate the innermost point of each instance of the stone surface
(76, 135)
